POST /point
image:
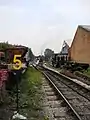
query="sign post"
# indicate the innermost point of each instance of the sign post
(17, 66)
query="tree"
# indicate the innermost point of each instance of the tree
(4, 45)
(48, 54)
(30, 55)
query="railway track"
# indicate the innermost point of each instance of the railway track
(80, 77)
(58, 106)
(77, 97)
(54, 105)
(84, 80)
(80, 88)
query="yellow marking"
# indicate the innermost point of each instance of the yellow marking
(18, 63)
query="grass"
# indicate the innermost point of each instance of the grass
(87, 72)
(31, 95)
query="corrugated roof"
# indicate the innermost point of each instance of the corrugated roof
(86, 27)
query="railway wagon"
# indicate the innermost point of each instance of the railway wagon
(40, 61)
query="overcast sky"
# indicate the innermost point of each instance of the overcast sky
(41, 24)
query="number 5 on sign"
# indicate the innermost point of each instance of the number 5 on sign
(17, 61)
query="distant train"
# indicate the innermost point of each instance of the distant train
(40, 61)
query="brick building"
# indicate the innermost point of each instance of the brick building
(80, 47)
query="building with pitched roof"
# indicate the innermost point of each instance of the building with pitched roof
(64, 51)
(80, 47)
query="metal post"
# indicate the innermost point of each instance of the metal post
(17, 99)
(16, 113)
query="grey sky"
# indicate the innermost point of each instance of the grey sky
(42, 23)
